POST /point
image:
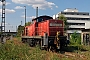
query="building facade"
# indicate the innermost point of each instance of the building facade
(77, 21)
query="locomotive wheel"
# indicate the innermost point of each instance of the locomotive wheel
(23, 40)
(31, 43)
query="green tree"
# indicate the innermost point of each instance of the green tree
(28, 23)
(19, 30)
(75, 39)
(62, 17)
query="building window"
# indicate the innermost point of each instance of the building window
(82, 24)
(74, 13)
(70, 18)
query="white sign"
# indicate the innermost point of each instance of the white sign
(55, 24)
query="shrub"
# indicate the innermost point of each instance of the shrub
(75, 39)
(10, 51)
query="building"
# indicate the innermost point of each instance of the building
(77, 21)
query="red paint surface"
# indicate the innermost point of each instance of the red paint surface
(49, 26)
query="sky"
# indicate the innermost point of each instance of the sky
(15, 10)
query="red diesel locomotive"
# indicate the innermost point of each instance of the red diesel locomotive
(46, 32)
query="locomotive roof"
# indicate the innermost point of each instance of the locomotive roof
(42, 17)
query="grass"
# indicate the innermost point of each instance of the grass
(10, 51)
(16, 50)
